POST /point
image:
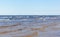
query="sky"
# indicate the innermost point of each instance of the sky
(29, 7)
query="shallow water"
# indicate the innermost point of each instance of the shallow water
(36, 27)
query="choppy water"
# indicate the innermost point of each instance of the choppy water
(30, 26)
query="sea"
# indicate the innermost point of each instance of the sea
(29, 25)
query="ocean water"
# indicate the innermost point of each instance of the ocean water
(29, 26)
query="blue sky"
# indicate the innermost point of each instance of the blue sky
(29, 7)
